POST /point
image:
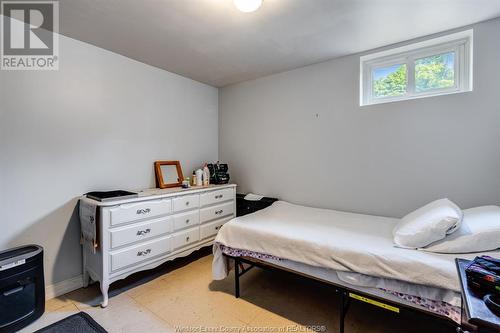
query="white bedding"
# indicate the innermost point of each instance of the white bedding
(336, 240)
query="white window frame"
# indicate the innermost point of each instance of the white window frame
(460, 43)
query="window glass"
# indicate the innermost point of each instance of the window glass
(435, 72)
(432, 67)
(390, 81)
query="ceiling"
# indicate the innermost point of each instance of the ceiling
(212, 42)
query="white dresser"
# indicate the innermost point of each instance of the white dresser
(160, 225)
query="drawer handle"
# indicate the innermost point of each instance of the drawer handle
(143, 253)
(13, 291)
(187, 203)
(143, 232)
(217, 212)
(187, 239)
(219, 196)
(187, 221)
(143, 211)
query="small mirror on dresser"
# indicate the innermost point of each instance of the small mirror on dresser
(168, 174)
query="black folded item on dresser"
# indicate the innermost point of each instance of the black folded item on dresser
(104, 196)
(483, 273)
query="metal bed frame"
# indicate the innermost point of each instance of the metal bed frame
(346, 294)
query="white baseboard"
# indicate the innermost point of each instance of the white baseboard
(63, 287)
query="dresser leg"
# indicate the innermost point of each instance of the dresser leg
(104, 291)
(85, 278)
(84, 267)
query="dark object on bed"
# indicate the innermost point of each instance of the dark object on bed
(111, 195)
(22, 289)
(78, 323)
(244, 207)
(483, 273)
(476, 311)
(347, 294)
(219, 173)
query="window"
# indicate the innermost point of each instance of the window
(433, 67)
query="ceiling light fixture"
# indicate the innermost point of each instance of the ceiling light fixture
(247, 6)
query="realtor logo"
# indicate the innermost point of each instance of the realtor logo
(29, 36)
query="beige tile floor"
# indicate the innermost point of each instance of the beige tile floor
(182, 296)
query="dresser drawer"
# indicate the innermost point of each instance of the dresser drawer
(216, 212)
(186, 202)
(186, 220)
(141, 252)
(140, 231)
(216, 196)
(140, 210)
(212, 228)
(186, 237)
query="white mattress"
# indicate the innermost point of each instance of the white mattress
(340, 241)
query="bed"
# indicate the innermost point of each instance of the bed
(353, 252)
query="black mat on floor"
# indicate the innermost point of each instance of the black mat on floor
(77, 323)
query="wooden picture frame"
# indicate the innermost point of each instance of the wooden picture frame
(160, 177)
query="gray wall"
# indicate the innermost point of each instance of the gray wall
(301, 136)
(98, 123)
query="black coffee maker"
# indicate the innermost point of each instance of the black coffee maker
(218, 173)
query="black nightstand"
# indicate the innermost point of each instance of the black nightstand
(475, 312)
(244, 207)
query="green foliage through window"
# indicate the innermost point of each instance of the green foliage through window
(435, 72)
(390, 81)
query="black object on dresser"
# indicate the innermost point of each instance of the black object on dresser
(219, 173)
(244, 207)
(105, 196)
(22, 289)
(476, 312)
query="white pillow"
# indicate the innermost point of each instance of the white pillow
(427, 224)
(480, 231)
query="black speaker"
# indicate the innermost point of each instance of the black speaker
(22, 289)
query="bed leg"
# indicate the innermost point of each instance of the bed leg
(344, 306)
(236, 278)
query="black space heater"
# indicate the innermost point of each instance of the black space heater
(22, 290)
